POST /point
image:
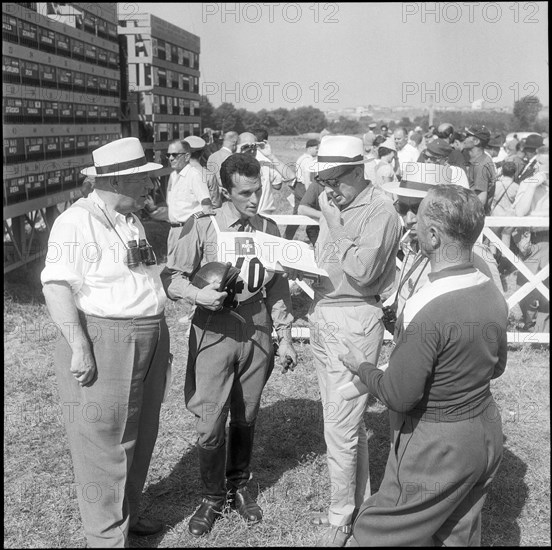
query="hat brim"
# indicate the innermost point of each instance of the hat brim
(394, 188)
(321, 166)
(149, 167)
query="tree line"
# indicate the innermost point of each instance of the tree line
(302, 120)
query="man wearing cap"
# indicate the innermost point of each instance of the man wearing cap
(230, 352)
(530, 146)
(187, 192)
(457, 156)
(447, 435)
(357, 246)
(105, 294)
(437, 152)
(197, 147)
(302, 181)
(481, 169)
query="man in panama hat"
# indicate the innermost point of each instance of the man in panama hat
(103, 291)
(358, 242)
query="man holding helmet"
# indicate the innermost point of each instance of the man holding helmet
(228, 373)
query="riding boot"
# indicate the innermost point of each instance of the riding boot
(240, 447)
(211, 469)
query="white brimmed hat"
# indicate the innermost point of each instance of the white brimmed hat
(419, 177)
(389, 143)
(196, 143)
(339, 151)
(120, 157)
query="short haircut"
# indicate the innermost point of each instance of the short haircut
(458, 136)
(382, 151)
(238, 163)
(457, 211)
(185, 145)
(509, 169)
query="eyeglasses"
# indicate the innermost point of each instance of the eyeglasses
(403, 208)
(246, 147)
(333, 182)
(169, 155)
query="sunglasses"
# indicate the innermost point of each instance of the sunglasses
(333, 182)
(404, 207)
(248, 147)
(169, 155)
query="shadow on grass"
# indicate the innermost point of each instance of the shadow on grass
(507, 496)
(23, 286)
(288, 434)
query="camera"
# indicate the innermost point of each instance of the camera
(390, 317)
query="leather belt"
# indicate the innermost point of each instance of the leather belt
(179, 224)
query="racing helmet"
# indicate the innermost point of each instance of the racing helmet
(224, 274)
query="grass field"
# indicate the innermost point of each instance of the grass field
(289, 463)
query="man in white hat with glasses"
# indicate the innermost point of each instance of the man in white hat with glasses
(357, 246)
(102, 289)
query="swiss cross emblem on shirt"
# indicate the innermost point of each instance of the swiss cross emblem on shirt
(245, 246)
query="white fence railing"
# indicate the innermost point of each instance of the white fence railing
(534, 280)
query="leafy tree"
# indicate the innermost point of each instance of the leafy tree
(526, 111)
(206, 110)
(226, 118)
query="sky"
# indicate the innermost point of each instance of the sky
(340, 55)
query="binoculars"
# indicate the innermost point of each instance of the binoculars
(140, 253)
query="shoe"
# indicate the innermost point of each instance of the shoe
(146, 527)
(205, 516)
(320, 518)
(334, 536)
(242, 501)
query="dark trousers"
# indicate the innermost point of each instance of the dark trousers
(229, 371)
(435, 483)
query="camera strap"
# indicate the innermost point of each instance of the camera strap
(405, 276)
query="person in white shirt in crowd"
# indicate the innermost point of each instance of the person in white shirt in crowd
(415, 140)
(271, 178)
(197, 147)
(532, 199)
(187, 192)
(302, 181)
(105, 294)
(385, 169)
(215, 160)
(405, 151)
(370, 155)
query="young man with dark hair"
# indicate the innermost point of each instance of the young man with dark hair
(230, 351)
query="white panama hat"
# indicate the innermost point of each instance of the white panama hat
(338, 151)
(120, 157)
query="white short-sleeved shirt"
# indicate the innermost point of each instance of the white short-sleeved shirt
(185, 191)
(87, 252)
